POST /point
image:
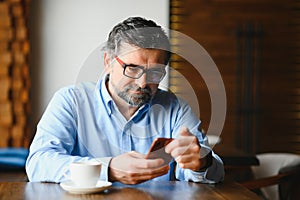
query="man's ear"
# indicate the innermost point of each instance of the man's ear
(107, 63)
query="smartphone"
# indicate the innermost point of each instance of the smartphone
(157, 149)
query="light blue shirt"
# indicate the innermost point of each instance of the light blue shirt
(82, 122)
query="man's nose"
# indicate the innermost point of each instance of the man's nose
(142, 81)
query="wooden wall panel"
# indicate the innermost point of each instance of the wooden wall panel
(255, 45)
(14, 76)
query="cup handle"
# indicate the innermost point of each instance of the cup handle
(65, 170)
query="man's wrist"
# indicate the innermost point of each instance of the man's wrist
(207, 160)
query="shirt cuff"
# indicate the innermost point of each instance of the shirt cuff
(104, 167)
(213, 174)
(203, 176)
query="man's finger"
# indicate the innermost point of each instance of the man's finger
(149, 163)
(137, 154)
(184, 131)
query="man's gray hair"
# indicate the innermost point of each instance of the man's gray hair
(139, 32)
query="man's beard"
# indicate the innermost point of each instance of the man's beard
(133, 99)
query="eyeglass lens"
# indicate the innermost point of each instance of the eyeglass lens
(153, 75)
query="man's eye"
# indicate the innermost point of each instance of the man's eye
(158, 70)
(133, 69)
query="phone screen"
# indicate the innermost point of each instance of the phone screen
(157, 149)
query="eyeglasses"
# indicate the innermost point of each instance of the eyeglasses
(154, 75)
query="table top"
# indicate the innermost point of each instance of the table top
(148, 190)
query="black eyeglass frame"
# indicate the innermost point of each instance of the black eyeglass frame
(144, 70)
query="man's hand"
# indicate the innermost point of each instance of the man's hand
(133, 168)
(186, 151)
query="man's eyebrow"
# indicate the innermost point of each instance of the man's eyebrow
(152, 65)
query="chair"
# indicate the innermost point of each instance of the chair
(13, 159)
(277, 177)
(12, 164)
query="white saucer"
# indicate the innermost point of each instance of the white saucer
(72, 188)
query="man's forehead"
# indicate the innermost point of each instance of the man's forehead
(126, 48)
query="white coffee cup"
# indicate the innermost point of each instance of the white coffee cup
(85, 174)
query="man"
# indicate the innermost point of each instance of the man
(115, 120)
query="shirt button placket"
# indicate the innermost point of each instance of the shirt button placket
(126, 141)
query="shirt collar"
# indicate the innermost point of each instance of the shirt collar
(104, 94)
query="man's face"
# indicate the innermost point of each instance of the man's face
(135, 92)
